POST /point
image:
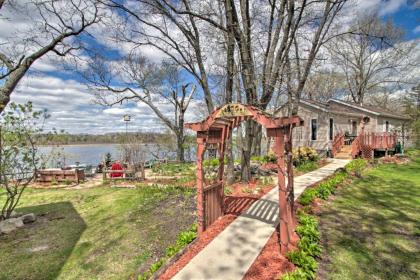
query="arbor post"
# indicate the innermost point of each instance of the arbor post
(200, 186)
(283, 205)
(222, 146)
(290, 183)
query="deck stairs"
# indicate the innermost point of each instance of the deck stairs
(345, 153)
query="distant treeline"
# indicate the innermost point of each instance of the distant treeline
(108, 138)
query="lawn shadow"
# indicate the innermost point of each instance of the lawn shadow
(41, 248)
(374, 221)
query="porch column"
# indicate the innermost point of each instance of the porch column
(283, 208)
(200, 186)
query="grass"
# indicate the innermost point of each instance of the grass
(307, 166)
(97, 233)
(174, 169)
(372, 229)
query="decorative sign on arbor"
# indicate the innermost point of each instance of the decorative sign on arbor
(233, 110)
(214, 130)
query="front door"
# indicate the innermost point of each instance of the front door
(354, 128)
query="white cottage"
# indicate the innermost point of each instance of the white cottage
(325, 122)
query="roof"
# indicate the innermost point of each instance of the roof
(324, 106)
(375, 110)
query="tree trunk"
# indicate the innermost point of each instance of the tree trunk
(180, 151)
(256, 143)
(230, 169)
(246, 152)
(230, 68)
(180, 139)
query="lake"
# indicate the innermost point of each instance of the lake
(93, 154)
(88, 154)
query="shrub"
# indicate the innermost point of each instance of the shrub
(257, 158)
(268, 158)
(171, 169)
(307, 196)
(211, 162)
(304, 154)
(308, 248)
(228, 191)
(307, 166)
(298, 274)
(356, 166)
(305, 262)
(324, 189)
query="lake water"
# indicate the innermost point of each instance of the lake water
(93, 154)
(88, 154)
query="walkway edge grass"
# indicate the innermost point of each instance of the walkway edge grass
(308, 247)
(184, 239)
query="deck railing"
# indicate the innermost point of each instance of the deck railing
(368, 142)
(337, 144)
(355, 146)
(383, 141)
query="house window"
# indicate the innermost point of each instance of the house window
(387, 126)
(314, 129)
(331, 129)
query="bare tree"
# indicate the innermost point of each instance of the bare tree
(411, 104)
(135, 78)
(372, 55)
(153, 23)
(323, 85)
(55, 25)
(267, 30)
(286, 19)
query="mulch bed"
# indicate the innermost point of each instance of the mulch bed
(235, 205)
(252, 189)
(270, 264)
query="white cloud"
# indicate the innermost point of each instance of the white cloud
(71, 108)
(391, 6)
(383, 7)
(417, 29)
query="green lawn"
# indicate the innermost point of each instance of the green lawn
(371, 230)
(98, 233)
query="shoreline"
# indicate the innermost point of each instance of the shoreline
(82, 144)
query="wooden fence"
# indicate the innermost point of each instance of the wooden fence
(213, 199)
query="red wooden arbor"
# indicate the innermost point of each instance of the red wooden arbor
(213, 131)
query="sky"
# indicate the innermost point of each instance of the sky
(71, 104)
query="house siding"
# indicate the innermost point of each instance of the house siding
(302, 135)
(342, 124)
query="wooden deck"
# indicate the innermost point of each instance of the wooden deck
(366, 144)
